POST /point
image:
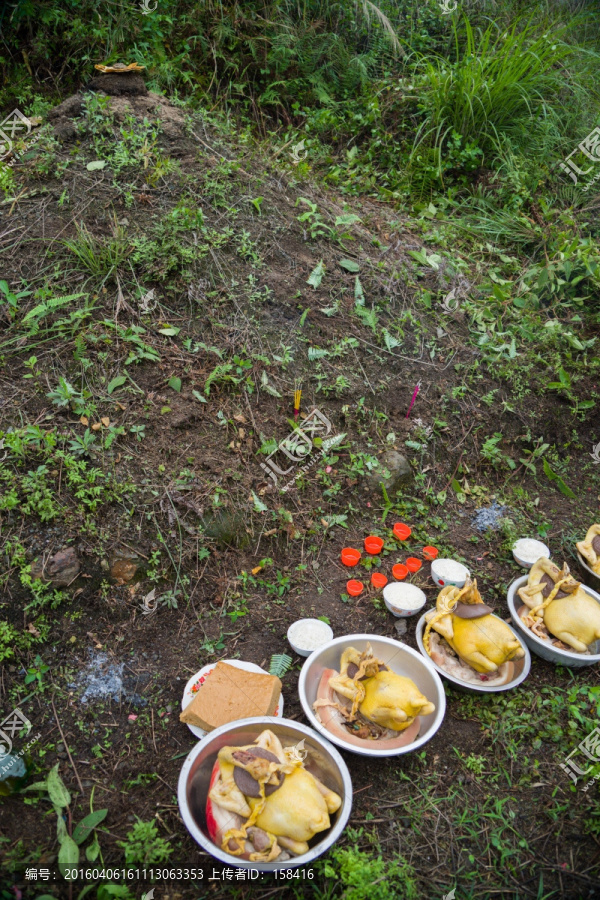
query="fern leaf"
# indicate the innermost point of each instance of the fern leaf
(48, 306)
(280, 664)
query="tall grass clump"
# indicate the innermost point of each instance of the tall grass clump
(498, 81)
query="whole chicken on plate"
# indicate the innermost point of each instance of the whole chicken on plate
(558, 604)
(263, 804)
(482, 641)
(383, 703)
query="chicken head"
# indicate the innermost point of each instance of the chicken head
(590, 548)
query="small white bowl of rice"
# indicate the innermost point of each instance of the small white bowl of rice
(403, 599)
(527, 551)
(449, 571)
(308, 635)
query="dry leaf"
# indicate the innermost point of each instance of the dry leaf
(96, 427)
(241, 433)
(240, 418)
(256, 570)
(33, 630)
(105, 421)
(84, 420)
(324, 523)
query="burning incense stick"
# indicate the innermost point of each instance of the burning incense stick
(414, 397)
(297, 398)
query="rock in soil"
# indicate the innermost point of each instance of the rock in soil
(123, 570)
(60, 570)
(116, 85)
(393, 471)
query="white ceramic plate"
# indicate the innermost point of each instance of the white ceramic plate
(200, 677)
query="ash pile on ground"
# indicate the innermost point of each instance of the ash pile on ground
(102, 679)
(489, 517)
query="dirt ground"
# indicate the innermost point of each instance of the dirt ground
(191, 513)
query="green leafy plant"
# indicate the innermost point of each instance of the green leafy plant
(144, 846)
(36, 672)
(70, 838)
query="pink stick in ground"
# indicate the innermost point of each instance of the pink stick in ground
(414, 397)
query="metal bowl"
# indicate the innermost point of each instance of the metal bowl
(591, 577)
(401, 659)
(322, 760)
(521, 667)
(544, 648)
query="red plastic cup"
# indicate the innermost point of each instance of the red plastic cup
(350, 556)
(430, 553)
(354, 588)
(401, 531)
(379, 580)
(413, 564)
(399, 572)
(373, 545)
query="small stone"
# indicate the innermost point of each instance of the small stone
(62, 755)
(60, 570)
(123, 570)
(400, 626)
(60, 747)
(392, 470)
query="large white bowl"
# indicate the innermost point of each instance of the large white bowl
(546, 649)
(521, 667)
(322, 759)
(401, 659)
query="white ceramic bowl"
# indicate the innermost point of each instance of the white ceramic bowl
(401, 659)
(392, 597)
(202, 675)
(322, 759)
(546, 649)
(521, 667)
(591, 577)
(541, 549)
(295, 639)
(443, 581)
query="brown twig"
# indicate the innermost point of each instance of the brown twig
(153, 737)
(64, 740)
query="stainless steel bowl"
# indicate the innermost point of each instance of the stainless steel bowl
(521, 667)
(401, 659)
(322, 760)
(544, 648)
(592, 579)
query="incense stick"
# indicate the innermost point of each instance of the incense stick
(414, 397)
(297, 398)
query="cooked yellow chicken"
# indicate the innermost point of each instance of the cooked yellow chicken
(590, 548)
(479, 638)
(558, 602)
(380, 695)
(276, 802)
